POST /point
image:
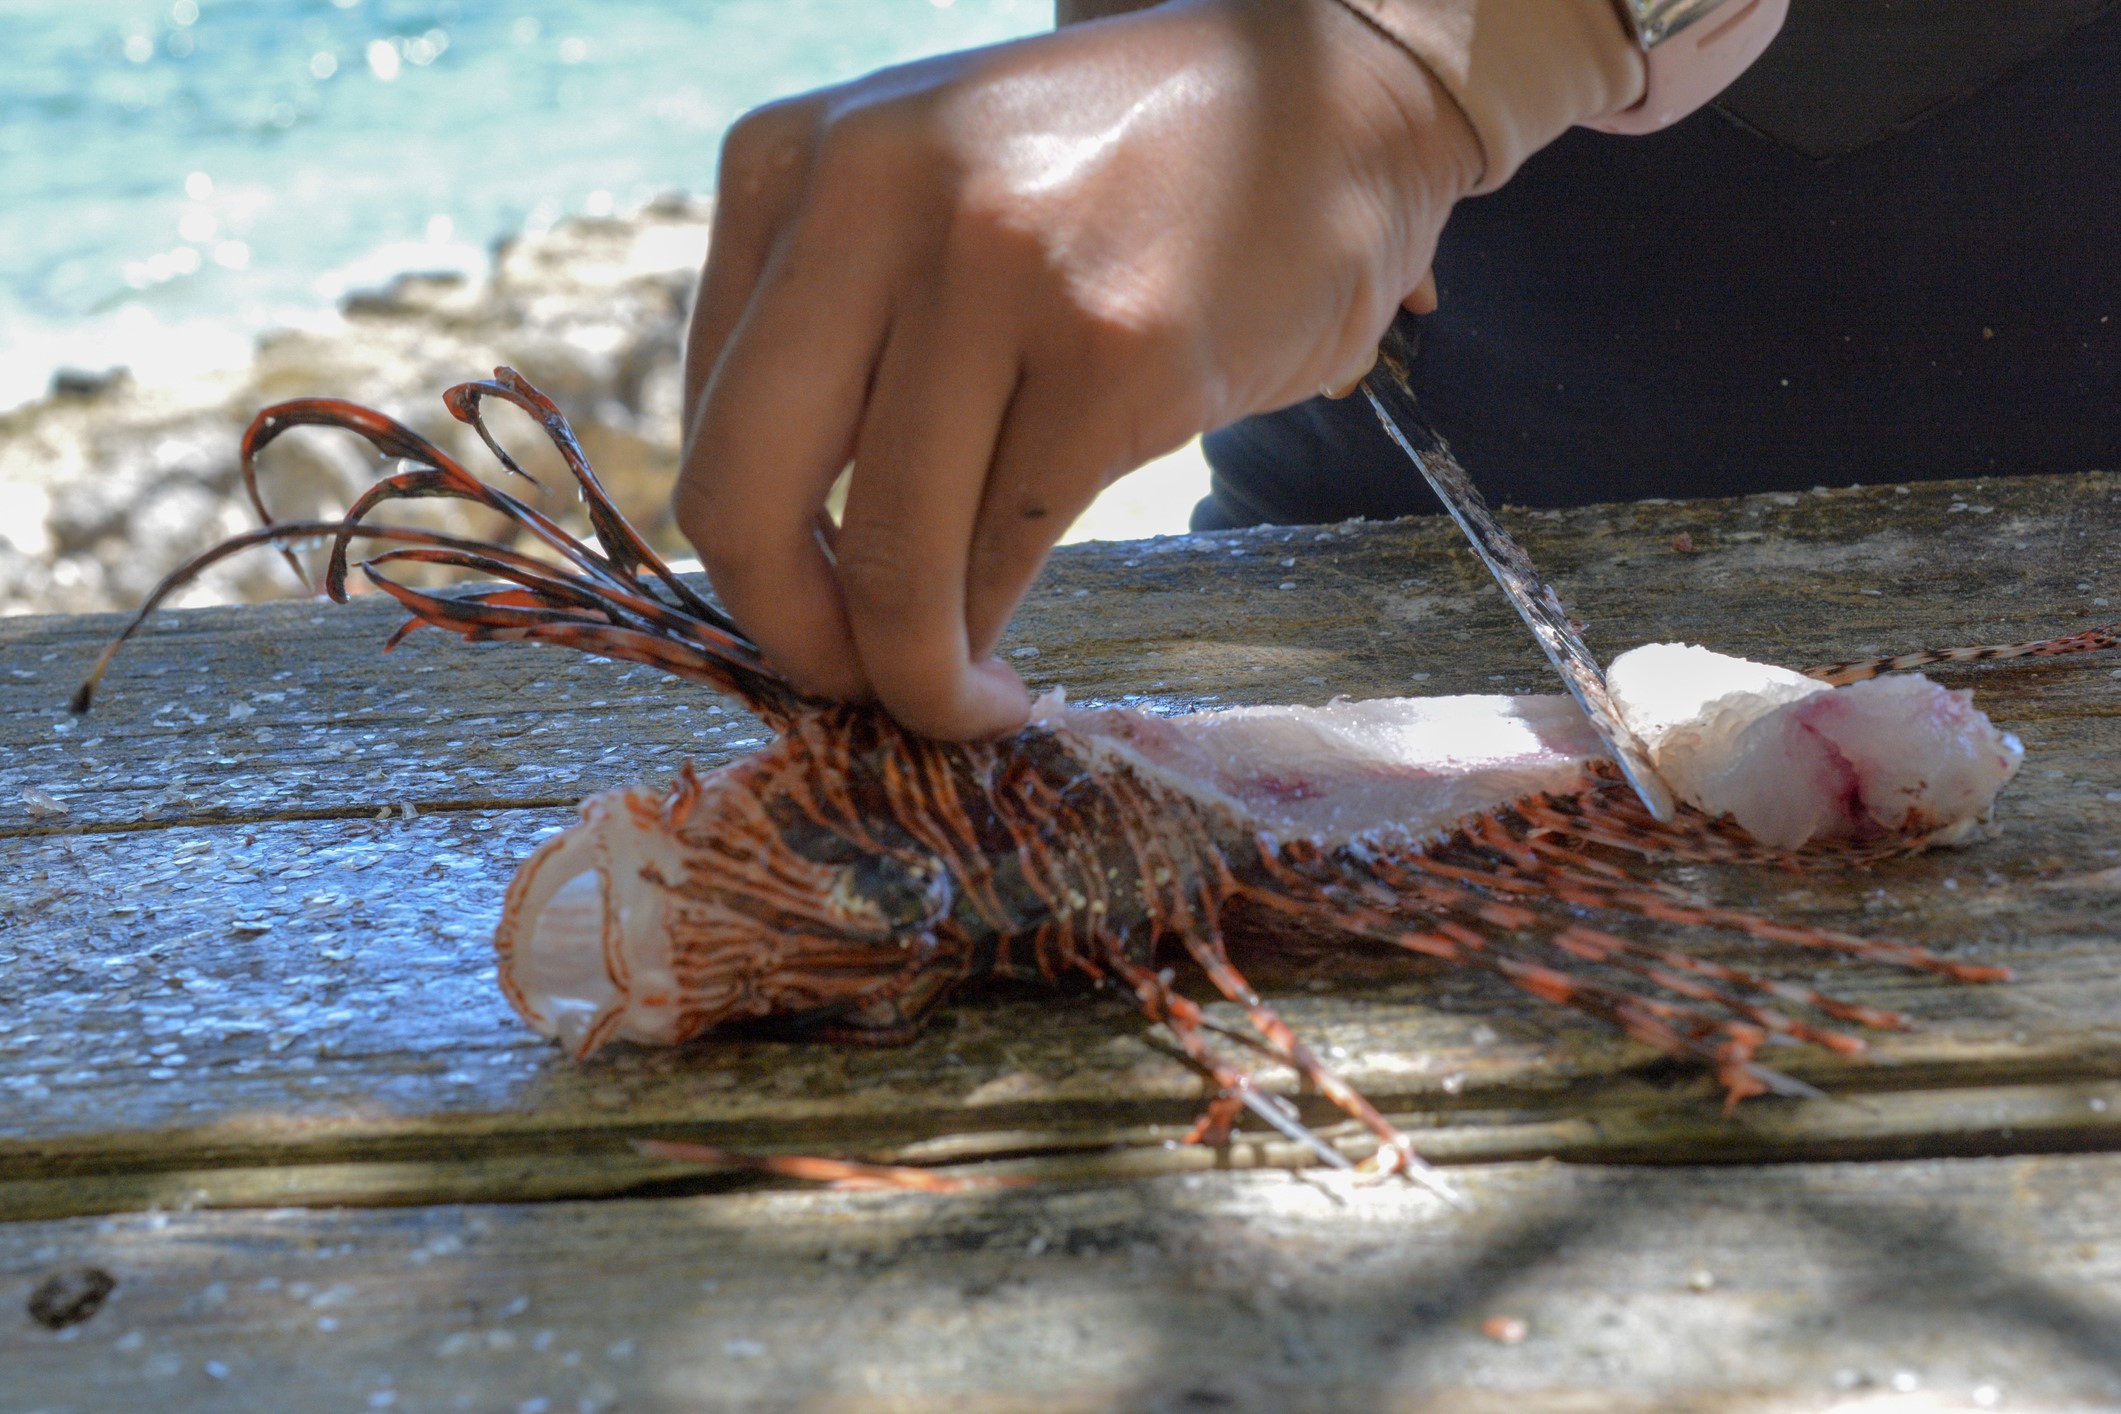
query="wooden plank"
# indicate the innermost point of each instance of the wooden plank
(1937, 1285)
(248, 713)
(566, 1157)
(273, 1009)
(198, 1012)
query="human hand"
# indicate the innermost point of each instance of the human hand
(997, 281)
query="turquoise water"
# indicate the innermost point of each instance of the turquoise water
(175, 177)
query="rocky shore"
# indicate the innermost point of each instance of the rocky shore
(105, 486)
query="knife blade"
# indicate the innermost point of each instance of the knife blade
(1393, 400)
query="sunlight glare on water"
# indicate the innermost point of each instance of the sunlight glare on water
(177, 175)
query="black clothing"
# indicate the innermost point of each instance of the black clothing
(1851, 270)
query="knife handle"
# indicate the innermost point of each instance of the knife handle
(1402, 341)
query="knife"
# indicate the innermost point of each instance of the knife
(1393, 400)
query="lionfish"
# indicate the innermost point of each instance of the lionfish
(851, 876)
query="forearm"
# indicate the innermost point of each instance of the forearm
(1523, 71)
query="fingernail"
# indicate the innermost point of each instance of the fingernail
(1342, 387)
(1004, 702)
(1424, 300)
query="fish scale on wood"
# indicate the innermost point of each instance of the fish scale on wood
(847, 878)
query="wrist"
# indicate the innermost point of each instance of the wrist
(1522, 71)
(1694, 49)
(1421, 143)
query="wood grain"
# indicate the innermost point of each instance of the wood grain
(245, 980)
(222, 978)
(289, 710)
(1935, 1285)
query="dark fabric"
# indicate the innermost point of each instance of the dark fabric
(1705, 312)
(1844, 73)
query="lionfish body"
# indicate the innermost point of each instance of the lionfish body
(851, 876)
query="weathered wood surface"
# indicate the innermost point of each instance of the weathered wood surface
(224, 983)
(246, 713)
(1967, 1284)
(223, 980)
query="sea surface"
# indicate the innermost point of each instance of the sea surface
(177, 176)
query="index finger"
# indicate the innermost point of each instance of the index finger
(765, 161)
(928, 439)
(776, 424)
